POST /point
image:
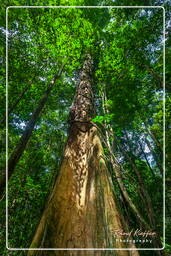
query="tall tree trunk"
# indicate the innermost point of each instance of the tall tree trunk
(146, 196)
(154, 137)
(142, 187)
(15, 104)
(147, 161)
(20, 97)
(156, 76)
(18, 151)
(154, 156)
(118, 171)
(81, 211)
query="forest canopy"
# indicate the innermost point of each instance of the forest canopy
(50, 54)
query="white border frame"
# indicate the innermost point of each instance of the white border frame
(85, 249)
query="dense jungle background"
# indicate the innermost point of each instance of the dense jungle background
(46, 53)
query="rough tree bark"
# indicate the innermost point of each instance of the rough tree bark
(81, 211)
(18, 151)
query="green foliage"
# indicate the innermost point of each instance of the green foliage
(100, 119)
(126, 47)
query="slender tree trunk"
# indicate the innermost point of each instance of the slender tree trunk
(122, 150)
(140, 218)
(153, 136)
(20, 97)
(155, 156)
(119, 177)
(156, 76)
(158, 79)
(143, 190)
(18, 151)
(118, 173)
(147, 199)
(15, 104)
(82, 210)
(130, 161)
(146, 159)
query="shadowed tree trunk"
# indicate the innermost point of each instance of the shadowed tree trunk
(15, 104)
(145, 195)
(154, 156)
(117, 168)
(146, 159)
(12, 107)
(81, 211)
(18, 151)
(154, 137)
